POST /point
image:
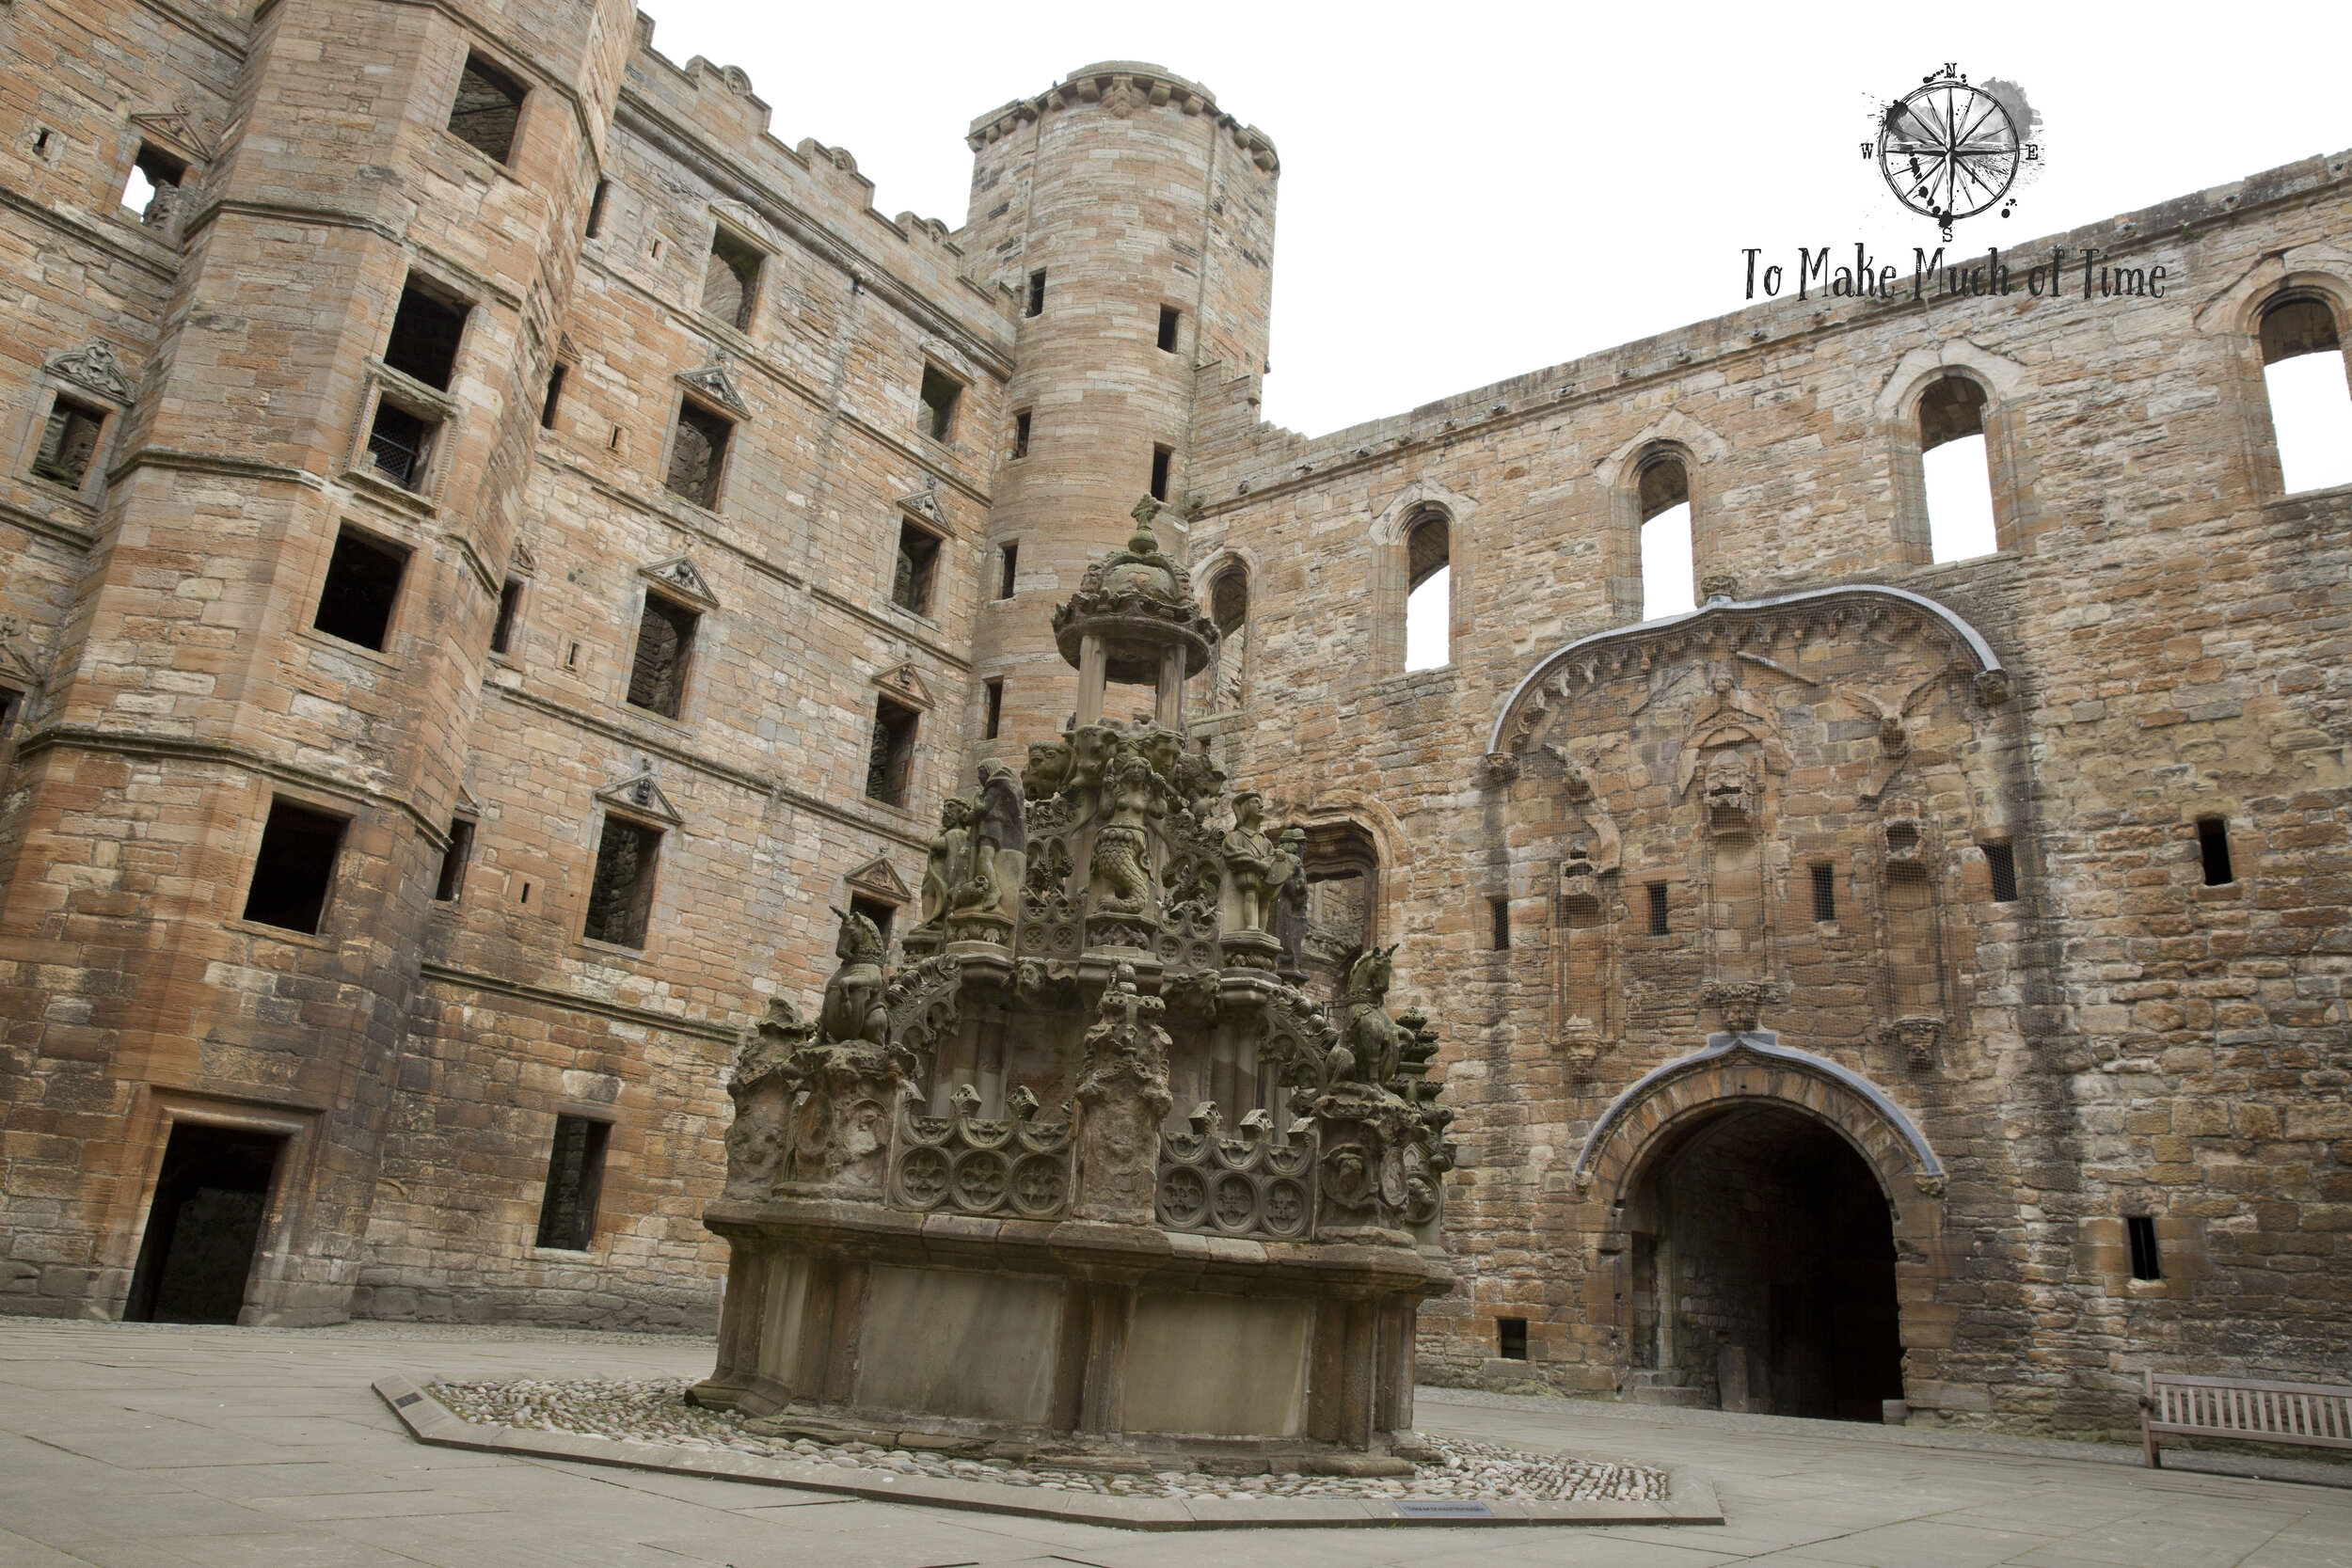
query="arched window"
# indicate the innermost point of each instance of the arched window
(1954, 459)
(1429, 592)
(1343, 866)
(1668, 546)
(1229, 607)
(2311, 403)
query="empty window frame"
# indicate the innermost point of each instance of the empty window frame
(914, 568)
(2140, 1230)
(554, 396)
(2311, 403)
(2001, 864)
(69, 441)
(1171, 320)
(666, 648)
(884, 915)
(1037, 292)
(1511, 1339)
(1009, 568)
(567, 1210)
(890, 755)
(1429, 592)
(426, 329)
(295, 868)
(510, 606)
(936, 417)
(1826, 895)
(731, 281)
(1020, 434)
(11, 709)
(489, 103)
(596, 208)
(1498, 923)
(620, 893)
(994, 719)
(1954, 462)
(2213, 848)
(1662, 499)
(698, 454)
(362, 585)
(1162, 457)
(452, 881)
(1658, 926)
(153, 188)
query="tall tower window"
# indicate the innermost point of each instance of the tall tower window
(510, 604)
(1657, 925)
(1170, 318)
(153, 188)
(1668, 579)
(1952, 455)
(1429, 593)
(995, 719)
(1161, 458)
(1009, 574)
(567, 1210)
(890, 757)
(2311, 403)
(362, 583)
(666, 646)
(1824, 894)
(295, 867)
(731, 281)
(2212, 847)
(917, 564)
(426, 328)
(2001, 862)
(489, 103)
(68, 442)
(1037, 292)
(1020, 434)
(620, 894)
(936, 417)
(698, 454)
(2140, 1230)
(596, 208)
(452, 881)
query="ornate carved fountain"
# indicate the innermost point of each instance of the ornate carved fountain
(964, 1198)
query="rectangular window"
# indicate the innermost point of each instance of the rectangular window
(12, 706)
(1020, 434)
(2141, 1231)
(69, 441)
(1037, 292)
(425, 332)
(292, 873)
(153, 189)
(454, 858)
(731, 281)
(1161, 457)
(1170, 316)
(1824, 894)
(2213, 845)
(490, 102)
(995, 720)
(1498, 919)
(882, 915)
(665, 644)
(362, 584)
(1511, 1339)
(937, 417)
(890, 758)
(1658, 909)
(400, 443)
(698, 454)
(555, 395)
(596, 208)
(2001, 861)
(567, 1212)
(620, 897)
(1010, 574)
(502, 629)
(917, 564)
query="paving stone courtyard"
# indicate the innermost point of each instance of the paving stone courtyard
(143, 1446)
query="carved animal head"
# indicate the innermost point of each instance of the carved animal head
(859, 942)
(1368, 977)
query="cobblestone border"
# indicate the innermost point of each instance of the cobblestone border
(1689, 1500)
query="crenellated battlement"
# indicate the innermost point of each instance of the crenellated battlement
(1123, 88)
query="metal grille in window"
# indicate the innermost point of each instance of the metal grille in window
(396, 445)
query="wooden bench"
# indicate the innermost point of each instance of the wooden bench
(2315, 1413)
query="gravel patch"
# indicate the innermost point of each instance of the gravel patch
(653, 1410)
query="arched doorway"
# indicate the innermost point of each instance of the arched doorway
(1761, 1263)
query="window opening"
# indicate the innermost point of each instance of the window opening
(425, 332)
(697, 454)
(567, 1210)
(1161, 458)
(294, 869)
(555, 395)
(620, 895)
(665, 644)
(596, 208)
(2310, 404)
(362, 584)
(1658, 909)
(1511, 1339)
(731, 281)
(40, 143)
(2001, 861)
(1429, 593)
(995, 709)
(2213, 845)
(1037, 292)
(937, 416)
(1170, 316)
(917, 564)
(1824, 894)
(11, 705)
(2141, 1230)
(212, 1199)
(1953, 460)
(1229, 611)
(1011, 554)
(153, 188)
(68, 442)
(454, 858)
(1020, 434)
(400, 443)
(890, 758)
(876, 910)
(502, 630)
(1668, 574)
(490, 102)
(1499, 916)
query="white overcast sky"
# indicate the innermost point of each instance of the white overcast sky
(1471, 191)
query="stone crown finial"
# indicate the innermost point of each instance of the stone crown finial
(1143, 541)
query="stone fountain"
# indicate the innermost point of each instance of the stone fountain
(963, 1207)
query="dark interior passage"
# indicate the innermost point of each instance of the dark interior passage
(1765, 1269)
(210, 1203)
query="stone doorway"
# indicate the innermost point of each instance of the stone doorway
(211, 1201)
(1763, 1271)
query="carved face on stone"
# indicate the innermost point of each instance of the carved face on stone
(1726, 779)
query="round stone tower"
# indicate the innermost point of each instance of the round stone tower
(1133, 222)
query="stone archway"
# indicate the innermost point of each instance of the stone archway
(1765, 1215)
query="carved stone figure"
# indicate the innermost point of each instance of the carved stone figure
(1122, 1099)
(997, 828)
(854, 1006)
(1252, 865)
(1368, 1041)
(1729, 791)
(945, 867)
(1290, 908)
(1049, 766)
(1121, 864)
(762, 1085)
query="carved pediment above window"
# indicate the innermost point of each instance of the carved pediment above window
(876, 879)
(565, 349)
(924, 503)
(177, 129)
(714, 382)
(19, 660)
(524, 560)
(641, 797)
(94, 366)
(677, 576)
(905, 683)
